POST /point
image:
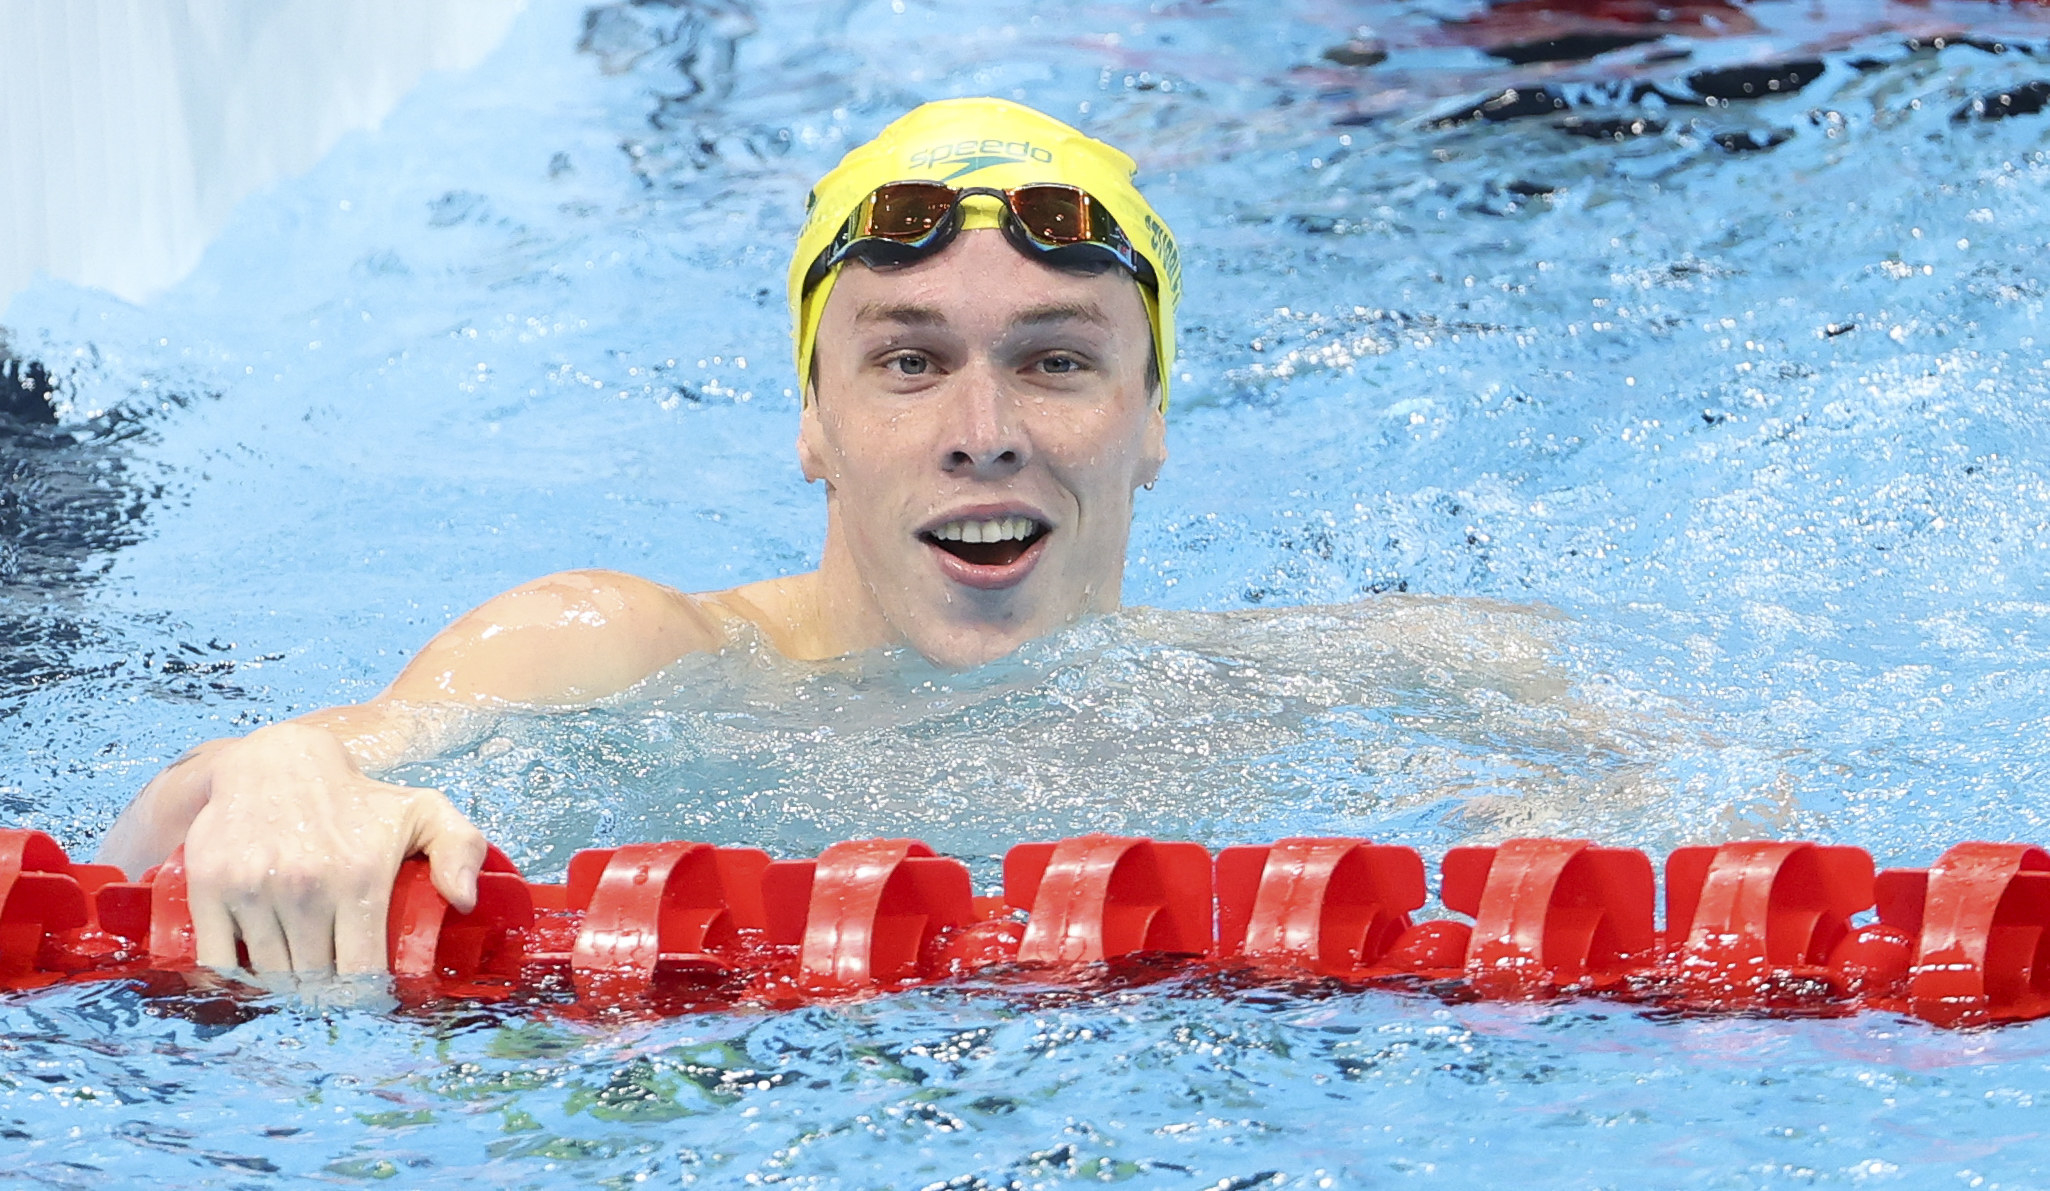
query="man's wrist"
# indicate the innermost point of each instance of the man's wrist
(383, 735)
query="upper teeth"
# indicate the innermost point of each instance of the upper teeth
(1002, 529)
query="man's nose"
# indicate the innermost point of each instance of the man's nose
(985, 438)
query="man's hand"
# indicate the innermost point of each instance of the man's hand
(290, 848)
(295, 852)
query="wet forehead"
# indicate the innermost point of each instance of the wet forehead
(883, 311)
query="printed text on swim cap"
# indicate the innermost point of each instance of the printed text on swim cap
(1003, 151)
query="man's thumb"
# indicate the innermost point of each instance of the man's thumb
(455, 854)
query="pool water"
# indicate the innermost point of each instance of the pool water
(1655, 453)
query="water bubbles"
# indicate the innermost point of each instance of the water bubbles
(1728, 497)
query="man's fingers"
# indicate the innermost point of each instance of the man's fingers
(295, 849)
(455, 854)
(309, 934)
(359, 937)
(213, 930)
(263, 938)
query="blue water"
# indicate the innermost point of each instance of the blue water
(1646, 468)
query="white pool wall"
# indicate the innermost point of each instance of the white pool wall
(129, 129)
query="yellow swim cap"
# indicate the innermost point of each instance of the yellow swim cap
(993, 143)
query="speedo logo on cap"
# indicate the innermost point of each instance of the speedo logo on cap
(966, 157)
(1167, 258)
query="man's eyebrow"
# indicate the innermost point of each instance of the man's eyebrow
(903, 316)
(1063, 312)
(1036, 316)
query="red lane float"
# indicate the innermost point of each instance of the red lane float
(867, 913)
(1105, 897)
(1552, 915)
(655, 910)
(1979, 916)
(1761, 921)
(46, 919)
(1334, 907)
(430, 946)
(1753, 925)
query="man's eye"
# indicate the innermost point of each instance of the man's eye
(909, 364)
(1060, 364)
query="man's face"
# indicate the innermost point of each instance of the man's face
(981, 421)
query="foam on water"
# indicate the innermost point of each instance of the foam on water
(1404, 716)
(1650, 469)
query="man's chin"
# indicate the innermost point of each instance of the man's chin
(952, 644)
(959, 652)
(959, 625)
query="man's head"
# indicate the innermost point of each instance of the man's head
(985, 388)
(983, 144)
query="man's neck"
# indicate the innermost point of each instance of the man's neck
(809, 617)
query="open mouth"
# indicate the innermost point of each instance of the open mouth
(995, 542)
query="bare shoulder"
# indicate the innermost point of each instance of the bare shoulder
(1472, 626)
(790, 613)
(562, 639)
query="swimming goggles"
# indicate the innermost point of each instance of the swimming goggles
(900, 222)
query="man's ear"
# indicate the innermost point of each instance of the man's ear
(811, 442)
(1154, 452)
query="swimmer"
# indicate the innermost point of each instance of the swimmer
(984, 315)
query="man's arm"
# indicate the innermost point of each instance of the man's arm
(291, 844)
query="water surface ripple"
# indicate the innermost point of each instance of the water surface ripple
(1584, 428)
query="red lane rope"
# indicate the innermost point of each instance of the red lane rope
(1752, 926)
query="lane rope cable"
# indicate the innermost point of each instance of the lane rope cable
(1753, 926)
